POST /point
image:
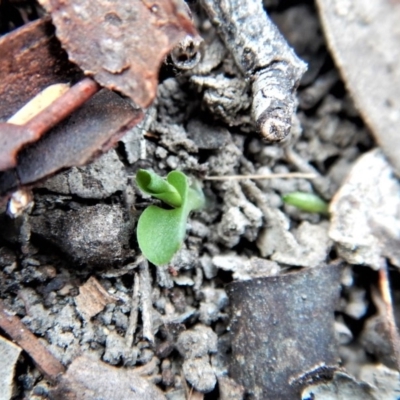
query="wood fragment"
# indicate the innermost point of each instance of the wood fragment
(265, 58)
(44, 360)
(92, 298)
(146, 305)
(133, 317)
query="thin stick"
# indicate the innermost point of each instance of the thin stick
(287, 175)
(19, 333)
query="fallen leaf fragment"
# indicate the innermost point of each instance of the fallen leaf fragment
(92, 298)
(120, 44)
(365, 213)
(9, 354)
(88, 379)
(282, 327)
(364, 39)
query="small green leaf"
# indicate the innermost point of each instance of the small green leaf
(161, 232)
(152, 184)
(308, 202)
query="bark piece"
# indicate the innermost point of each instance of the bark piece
(87, 379)
(121, 44)
(34, 60)
(90, 131)
(363, 37)
(265, 58)
(9, 354)
(92, 298)
(282, 327)
(14, 137)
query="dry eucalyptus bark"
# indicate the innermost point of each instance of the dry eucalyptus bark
(265, 58)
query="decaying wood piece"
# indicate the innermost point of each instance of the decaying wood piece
(265, 58)
(282, 327)
(121, 44)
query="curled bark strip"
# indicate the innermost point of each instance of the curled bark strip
(282, 327)
(14, 137)
(265, 58)
(88, 132)
(22, 75)
(19, 333)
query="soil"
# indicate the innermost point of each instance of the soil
(174, 321)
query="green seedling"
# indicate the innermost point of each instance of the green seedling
(160, 231)
(308, 202)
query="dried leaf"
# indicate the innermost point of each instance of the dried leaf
(364, 38)
(121, 44)
(92, 298)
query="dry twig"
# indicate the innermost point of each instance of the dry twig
(264, 57)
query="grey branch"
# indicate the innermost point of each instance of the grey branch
(264, 56)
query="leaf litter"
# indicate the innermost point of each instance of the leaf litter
(185, 304)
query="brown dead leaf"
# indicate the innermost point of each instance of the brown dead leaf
(88, 379)
(121, 44)
(92, 298)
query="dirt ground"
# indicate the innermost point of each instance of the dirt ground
(72, 271)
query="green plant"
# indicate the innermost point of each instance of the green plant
(160, 231)
(306, 202)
